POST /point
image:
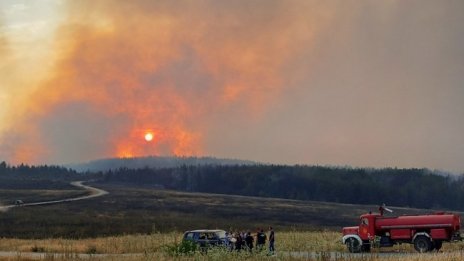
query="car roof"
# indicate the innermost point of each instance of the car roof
(205, 230)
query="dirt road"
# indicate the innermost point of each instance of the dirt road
(93, 193)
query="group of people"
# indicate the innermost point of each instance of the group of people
(246, 241)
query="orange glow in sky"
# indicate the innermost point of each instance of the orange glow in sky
(361, 83)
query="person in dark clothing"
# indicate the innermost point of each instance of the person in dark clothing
(271, 241)
(249, 241)
(238, 242)
(260, 240)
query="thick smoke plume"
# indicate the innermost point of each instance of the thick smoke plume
(125, 68)
(343, 82)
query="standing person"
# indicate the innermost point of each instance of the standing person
(260, 240)
(271, 241)
(227, 240)
(238, 242)
(249, 241)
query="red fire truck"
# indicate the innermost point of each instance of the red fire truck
(426, 232)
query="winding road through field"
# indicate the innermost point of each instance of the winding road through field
(93, 193)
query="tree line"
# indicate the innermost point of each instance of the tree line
(35, 177)
(420, 188)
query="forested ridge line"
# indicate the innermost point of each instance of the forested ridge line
(25, 176)
(419, 188)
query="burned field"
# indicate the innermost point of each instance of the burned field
(132, 210)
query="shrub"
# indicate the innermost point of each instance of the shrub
(185, 247)
(37, 249)
(91, 250)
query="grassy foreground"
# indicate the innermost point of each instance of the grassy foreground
(290, 246)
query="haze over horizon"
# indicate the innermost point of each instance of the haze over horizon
(358, 83)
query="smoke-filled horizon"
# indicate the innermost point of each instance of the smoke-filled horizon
(360, 83)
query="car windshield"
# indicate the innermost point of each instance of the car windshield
(189, 235)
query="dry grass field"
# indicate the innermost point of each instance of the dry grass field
(294, 245)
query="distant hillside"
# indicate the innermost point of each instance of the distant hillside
(419, 188)
(153, 162)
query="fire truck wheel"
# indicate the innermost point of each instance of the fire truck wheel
(353, 245)
(422, 244)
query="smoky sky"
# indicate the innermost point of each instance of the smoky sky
(359, 83)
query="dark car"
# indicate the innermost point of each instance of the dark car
(207, 237)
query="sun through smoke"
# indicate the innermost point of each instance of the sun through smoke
(149, 136)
